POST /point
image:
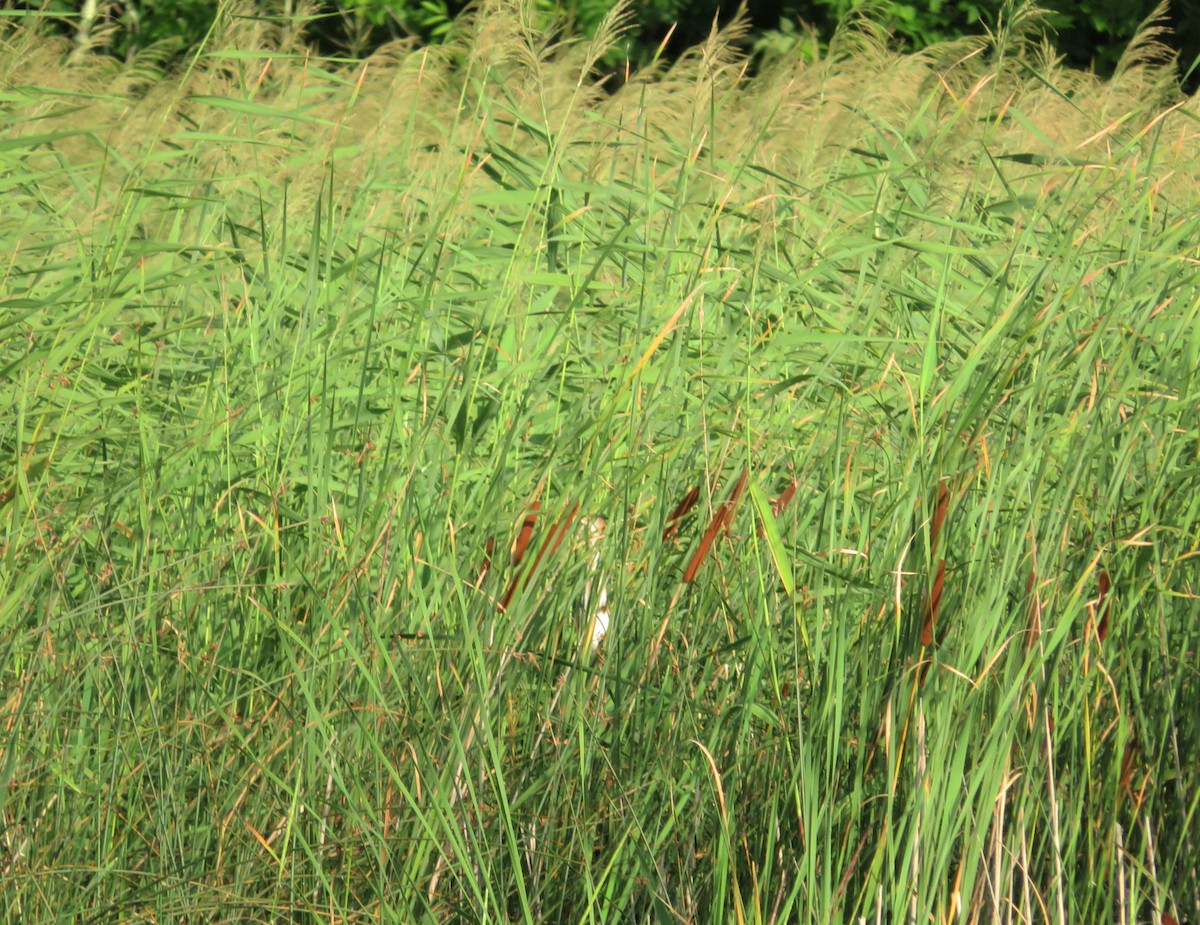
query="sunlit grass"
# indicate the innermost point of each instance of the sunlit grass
(295, 349)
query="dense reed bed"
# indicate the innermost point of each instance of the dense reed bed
(881, 370)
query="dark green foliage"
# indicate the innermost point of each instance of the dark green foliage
(153, 21)
(133, 25)
(1090, 33)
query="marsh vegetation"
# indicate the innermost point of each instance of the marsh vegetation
(293, 346)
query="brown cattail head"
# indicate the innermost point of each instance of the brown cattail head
(939, 516)
(1104, 605)
(1035, 610)
(933, 603)
(680, 511)
(1129, 764)
(525, 534)
(550, 544)
(721, 520)
(778, 505)
(785, 497)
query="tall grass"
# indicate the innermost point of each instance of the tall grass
(294, 347)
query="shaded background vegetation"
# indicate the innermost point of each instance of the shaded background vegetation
(1088, 33)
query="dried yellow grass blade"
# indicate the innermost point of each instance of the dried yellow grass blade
(662, 335)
